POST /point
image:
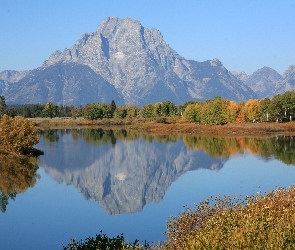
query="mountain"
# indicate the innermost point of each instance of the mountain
(287, 82)
(136, 61)
(241, 76)
(262, 81)
(266, 82)
(7, 77)
(63, 83)
(12, 75)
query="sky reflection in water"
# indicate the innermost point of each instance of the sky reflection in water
(76, 199)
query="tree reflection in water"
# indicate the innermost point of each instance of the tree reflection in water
(125, 170)
(279, 147)
(17, 173)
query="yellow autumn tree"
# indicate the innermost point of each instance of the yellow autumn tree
(17, 134)
(252, 110)
(232, 112)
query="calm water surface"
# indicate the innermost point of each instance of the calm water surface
(93, 180)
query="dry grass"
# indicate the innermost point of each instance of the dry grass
(258, 222)
(171, 126)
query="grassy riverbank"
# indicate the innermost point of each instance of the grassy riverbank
(170, 126)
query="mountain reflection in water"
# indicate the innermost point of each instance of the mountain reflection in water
(124, 171)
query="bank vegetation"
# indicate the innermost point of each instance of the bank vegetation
(254, 222)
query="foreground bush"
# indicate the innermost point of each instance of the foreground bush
(103, 242)
(258, 222)
(17, 134)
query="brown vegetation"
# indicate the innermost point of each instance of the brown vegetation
(258, 222)
(171, 126)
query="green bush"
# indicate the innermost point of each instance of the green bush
(103, 242)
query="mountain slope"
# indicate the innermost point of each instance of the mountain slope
(287, 82)
(69, 84)
(263, 81)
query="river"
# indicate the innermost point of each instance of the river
(90, 180)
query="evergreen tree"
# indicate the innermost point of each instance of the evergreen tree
(113, 107)
(2, 106)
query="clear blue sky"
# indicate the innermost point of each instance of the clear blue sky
(243, 35)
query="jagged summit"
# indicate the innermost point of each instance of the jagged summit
(287, 82)
(216, 63)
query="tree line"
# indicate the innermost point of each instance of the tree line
(216, 111)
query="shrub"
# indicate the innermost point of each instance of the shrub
(102, 242)
(17, 134)
(258, 222)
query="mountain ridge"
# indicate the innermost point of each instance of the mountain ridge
(134, 65)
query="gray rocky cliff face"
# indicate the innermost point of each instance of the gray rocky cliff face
(241, 76)
(263, 82)
(287, 82)
(12, 75)
(8, 78)
(63, 83)
(210, 78)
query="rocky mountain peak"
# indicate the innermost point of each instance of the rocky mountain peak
(263, 81)
(216, 63)
(287, 82)
(243, 76)
(289, 73)
(111, 25)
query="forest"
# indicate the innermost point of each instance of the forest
(217, 111)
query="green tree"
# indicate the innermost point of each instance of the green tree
(189, 113)
(132, 111)
(2, 106)
(169, 109)
(265, 113)
(147, 111)
(50, 110)
(183, 106)
(93, 111)
(120, 112)
(214, 111)
(107, 110)
(277, 107)
(292, 105)
(113, 108)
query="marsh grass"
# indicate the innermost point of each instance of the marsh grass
(257, 222)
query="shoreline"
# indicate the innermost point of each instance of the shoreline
(174, 127)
